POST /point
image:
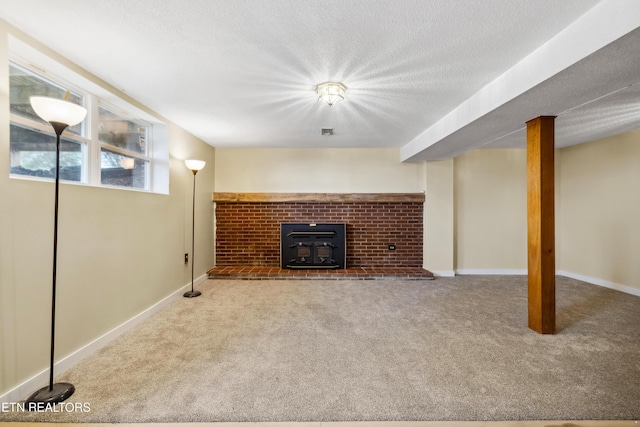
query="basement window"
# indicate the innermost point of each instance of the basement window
(33, 142)
(116, 146)
(124, 147)
(33, 153)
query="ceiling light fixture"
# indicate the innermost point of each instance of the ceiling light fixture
(331, 92)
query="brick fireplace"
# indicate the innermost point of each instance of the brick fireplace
(382, 230)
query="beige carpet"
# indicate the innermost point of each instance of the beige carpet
(450, 349)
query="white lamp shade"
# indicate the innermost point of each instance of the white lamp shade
(195, 165)
(57, 110)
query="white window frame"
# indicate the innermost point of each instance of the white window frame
(94, 95)
(96, 150)
(45, 128)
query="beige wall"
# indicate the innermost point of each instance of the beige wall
(599, 225)
(119, 251)
(329, 170)
(438, 218)
(597, 206)
(490, 193)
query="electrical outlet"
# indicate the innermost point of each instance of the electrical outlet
(186, 259)
(392, 247)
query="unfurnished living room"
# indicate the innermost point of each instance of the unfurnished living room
(412, 213)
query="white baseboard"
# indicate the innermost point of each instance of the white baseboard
(600, 282)
(587, 279)
(443, 273)
(503, 272)
(40, 379)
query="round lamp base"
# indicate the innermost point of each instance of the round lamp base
(58, 393)
(192, 294)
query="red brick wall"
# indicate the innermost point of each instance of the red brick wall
(249, 233)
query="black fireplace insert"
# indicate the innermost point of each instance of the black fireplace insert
(312, 246)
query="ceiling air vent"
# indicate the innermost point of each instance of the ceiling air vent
(327, 131)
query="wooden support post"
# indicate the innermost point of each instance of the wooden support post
(541, 225)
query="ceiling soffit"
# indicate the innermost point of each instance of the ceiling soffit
(577, 67)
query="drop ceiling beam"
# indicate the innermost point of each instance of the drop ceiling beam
(576, 42)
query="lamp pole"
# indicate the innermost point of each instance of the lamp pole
(195, 166)
(60, 114)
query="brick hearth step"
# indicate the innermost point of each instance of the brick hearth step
(357, 273)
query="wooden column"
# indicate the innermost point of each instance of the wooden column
(541, 225)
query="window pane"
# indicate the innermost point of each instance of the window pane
(123, 171)
(33, 153)
(24, 84)
(122, 132)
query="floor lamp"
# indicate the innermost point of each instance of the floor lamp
(195, 166)
(60, 114)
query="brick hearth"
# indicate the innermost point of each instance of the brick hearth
(358, 273)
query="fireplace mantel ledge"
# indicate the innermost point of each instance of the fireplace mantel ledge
(220, 197)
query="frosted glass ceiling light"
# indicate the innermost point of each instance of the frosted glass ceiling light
(331, 92)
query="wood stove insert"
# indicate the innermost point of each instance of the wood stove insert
(312, 246)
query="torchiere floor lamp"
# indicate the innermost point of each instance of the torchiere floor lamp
(60, 114)
(195, 166)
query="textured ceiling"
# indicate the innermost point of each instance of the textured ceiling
(242, 73)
